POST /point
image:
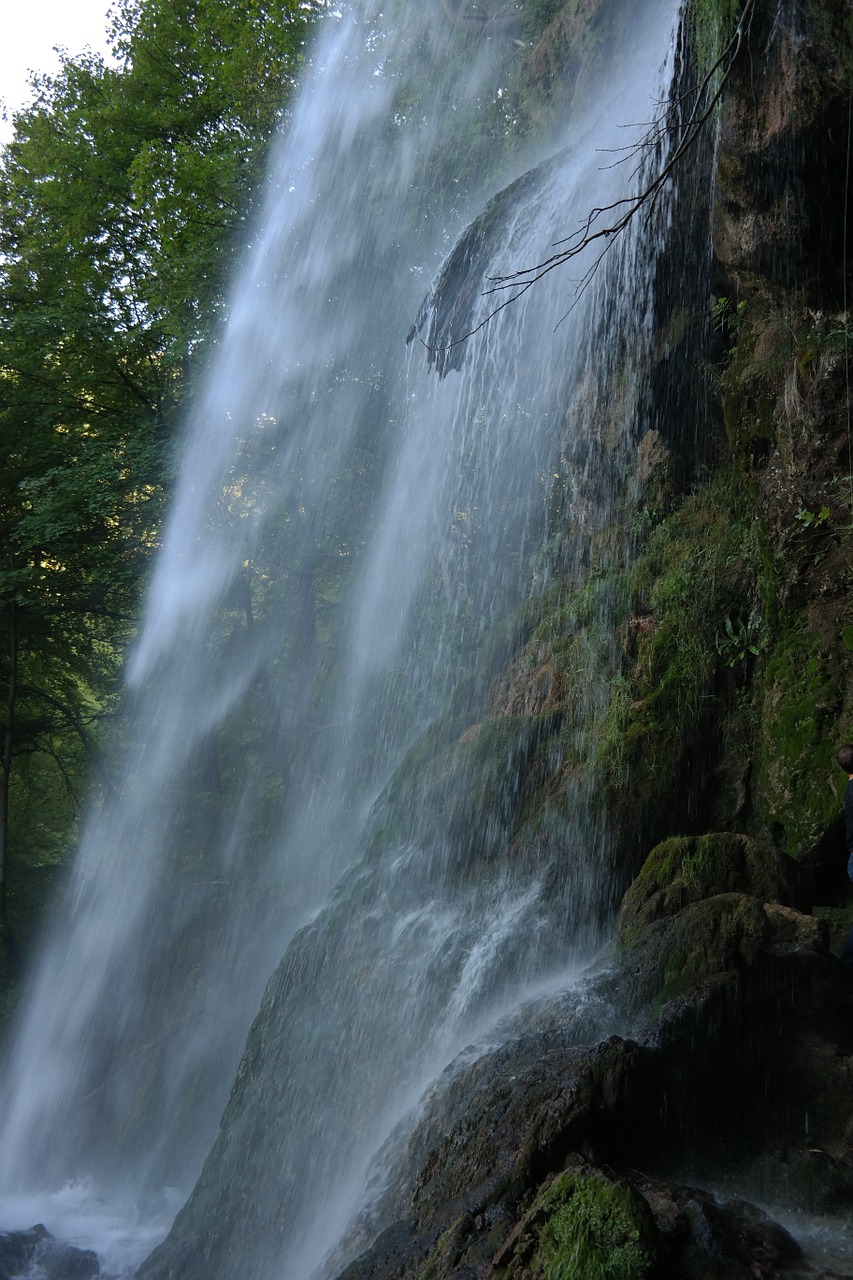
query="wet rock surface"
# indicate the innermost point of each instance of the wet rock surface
(531, 1154)
(35, 1252)
(684, 870)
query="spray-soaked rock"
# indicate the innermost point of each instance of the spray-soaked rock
(37, 1252)
(685, 869)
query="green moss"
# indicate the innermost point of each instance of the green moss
(585, 1227)
(596, 1229)
(660, 619)
(444, 1257)
(709, 938)
(687, 869)
(698, 566)
(674, 982)
(712, 26)
(797, 793)
(705, 943)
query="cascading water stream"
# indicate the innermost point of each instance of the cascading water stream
(347, 534)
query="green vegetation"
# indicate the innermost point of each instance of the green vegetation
(597, 1231)
(712, 26)
(729, 683)
(798, 791)
(738, 638)
(696, 571)
(584, 1226)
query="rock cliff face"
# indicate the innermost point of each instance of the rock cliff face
(736, 686)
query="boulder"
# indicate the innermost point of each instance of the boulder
(684, 951)
(585, 1222)
(21, 1251)
(686, 869)
(701, 1238)
(17, 1249)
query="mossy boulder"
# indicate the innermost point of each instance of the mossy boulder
(723, 939)
(687, 869)
(584, 1226)
(706, 941)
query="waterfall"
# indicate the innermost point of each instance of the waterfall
(323, 756)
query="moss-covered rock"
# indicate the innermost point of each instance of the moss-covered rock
(706, 941)
(685, 869)
(584, 1226)
(691, 635)
(798, 786)
(444, 1257)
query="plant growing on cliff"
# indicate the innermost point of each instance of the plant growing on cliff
(712, 25)
(738, 638)
(691, 577)
(728, 316)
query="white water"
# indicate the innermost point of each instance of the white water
(345, 530)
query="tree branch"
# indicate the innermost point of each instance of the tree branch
(517, 283)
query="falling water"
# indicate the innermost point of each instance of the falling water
(319, 758)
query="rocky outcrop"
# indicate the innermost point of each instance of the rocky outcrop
(781, 264)
(687, 869)
(36, 1252)
(590, 1222)
(782, 156)
(526, 1164)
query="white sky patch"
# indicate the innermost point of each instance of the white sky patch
(29, 32)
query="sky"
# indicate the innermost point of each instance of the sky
(29, 30)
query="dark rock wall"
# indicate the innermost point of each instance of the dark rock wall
(780, 242)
